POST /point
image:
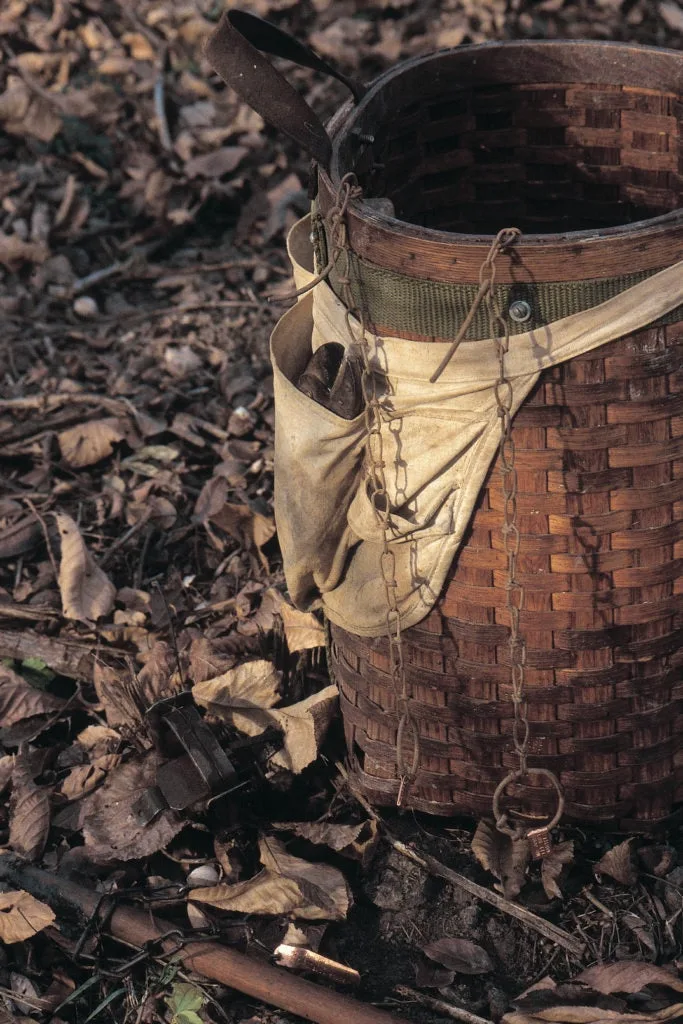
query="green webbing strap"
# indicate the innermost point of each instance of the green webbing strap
(432, 308)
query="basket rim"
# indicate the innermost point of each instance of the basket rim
(451, 246)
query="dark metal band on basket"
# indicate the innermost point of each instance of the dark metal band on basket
(434, 310)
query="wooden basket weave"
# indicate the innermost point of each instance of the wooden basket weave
(559, 137)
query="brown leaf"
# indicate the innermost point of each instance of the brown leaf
(251, 529)
(207, 661)
(618, 864)
(354, 841)
(552, 867)
(29, 817)
(87, 592)
(429, 974)
(19, 700)
(14, 251)
(155, 678)
(120, 711)
(80, 781)
(302, 629)
(88, 443)
(217, 163)
(21, 916)
(6, 770)
(288, 885)
(304, 727)
(265, 894)
(326, 895)
(22, 113)
(628, 976)
(459, 955)
(253, 685)
(504, 857)
(111, 830)
(642, 930)
(99, 740)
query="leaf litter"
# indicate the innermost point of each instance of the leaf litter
(144, 209)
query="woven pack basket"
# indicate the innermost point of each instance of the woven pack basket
(577, 144)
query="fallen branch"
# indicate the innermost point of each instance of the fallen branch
(439, 870)
(72, 660)
(441, 1006)
(259, 980)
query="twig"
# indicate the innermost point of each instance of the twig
(43, 525)
(435, 867)
(73, 659)
(103, 274)
(28, 613)
(160, 103)
(597, 903)
(441, 1006)
(124, 538)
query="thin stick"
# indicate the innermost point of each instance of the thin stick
(464, 327)
(124, 538)
(441, 1006)
(160, 103)
(435, 867)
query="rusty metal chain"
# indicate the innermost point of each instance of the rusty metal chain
(514, 601)
(407, 735)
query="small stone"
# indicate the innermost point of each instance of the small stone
(205, 874)
(181, 360)
(85, 307)
(241, 422)
(261, 274)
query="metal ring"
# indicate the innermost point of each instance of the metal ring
(514, 776)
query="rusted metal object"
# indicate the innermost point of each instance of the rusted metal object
(199, 770)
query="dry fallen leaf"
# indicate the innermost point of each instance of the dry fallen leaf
(302, 629)
(354, 841)
(241, 694)
(459, 955)
(159, 675)
(217, 163)
(628, 976)
(250, 529)
(264, 894)
(19, 700)
(504, 857)
(21, 916)
(111, 831)
(29, 816)
(324, 887)
(552, 867)
(87, 592)
(14, 251)
(80, 781)
(618, 864)
(287, 885)
(88, 443)
(304, 727)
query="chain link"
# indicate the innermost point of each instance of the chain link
(514, 597)
(407, 735)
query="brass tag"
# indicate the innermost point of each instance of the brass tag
(540, 843)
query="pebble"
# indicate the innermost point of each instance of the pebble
(85, 307)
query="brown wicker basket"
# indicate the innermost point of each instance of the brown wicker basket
(553, 147)
(578, 144)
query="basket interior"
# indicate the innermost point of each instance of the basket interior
(546, 157)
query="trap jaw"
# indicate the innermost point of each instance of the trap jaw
(198, 769)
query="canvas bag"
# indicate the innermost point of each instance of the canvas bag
(439, 442)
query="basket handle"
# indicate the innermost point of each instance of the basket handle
(235, 50)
